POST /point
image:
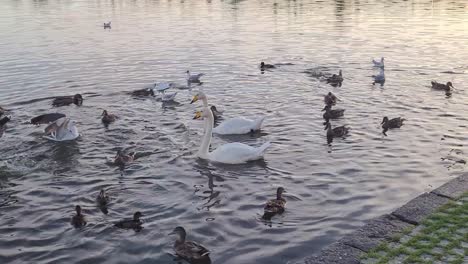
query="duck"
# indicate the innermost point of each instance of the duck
(379, 64)
(122, 159)
(391, 123)
(194, 78)
(216, 113)
(379, 78)
(102, 198)
(264, 66)
(134, 223)
(336, 78)
(143, 92)
(107, 25)
(330, 99)
(441, 86)
(77, 99)
(231, 153)
(78, 220)
(232, 126)
(190, 251)
(340, 131)
(275, 206)
(63, 129)
(3, 122)
(2, 111)
(332, 113)
(108, 118)
(46, 118)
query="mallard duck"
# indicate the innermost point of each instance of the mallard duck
(143, 92)
(264, 66)
(102, 199)
(194, 78)
(441, 86)
(77, 99)
(275, 206)
(332, 113)
(335, 78)
(107, 25)
(134, 223)
(108, 118)
(63, 129)
(379, 64)
(216, 113)
(391, 123)
(340, 131)
(122, 159)
(46, 118)
(78, 220)
(189, 250)
(379, 78)
(330, 99)
(3, 122)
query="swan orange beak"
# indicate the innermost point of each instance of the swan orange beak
(198, 115)
(195, 98)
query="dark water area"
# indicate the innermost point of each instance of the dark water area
(54, 48)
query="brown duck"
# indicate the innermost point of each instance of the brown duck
(275, 206)
(78, 220)
(440, 86)
(108, 118)
(77, 99)
(189, 250)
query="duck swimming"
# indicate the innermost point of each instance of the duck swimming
(63, 129)
(189, 250)
(107, 25)
(78, 220)
(108, 118)
(379, 64)
(3, 122)
(122, 159)
(46, 118)
(332, 113)
(275, 206)
(194, 78)
(230, 153)
(2, 111)
(77, 99)
(379, 78)
(441, 86)
(264, 66)
(143, 92)
(335, 78)
(102, 199)
(340, 131)
(216, 113)
(134, 223)
(391, 123)
(330, 99)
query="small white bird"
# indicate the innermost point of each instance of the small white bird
(62, 129)
(194, 78)
(379, 78)
(379, 64)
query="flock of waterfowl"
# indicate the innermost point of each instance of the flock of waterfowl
(61, 128)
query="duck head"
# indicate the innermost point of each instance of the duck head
(180, 232)
(78, 99)
(78, 210)
(198, 96)
(449, 85)
(136, 216)
(104, 113)
(279, 192)
(4, 120)
(262, 64)
(385, 120)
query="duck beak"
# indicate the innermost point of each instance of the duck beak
(324, 108)
(198, 115)
(195, 98)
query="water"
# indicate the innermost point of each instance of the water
(51, 48)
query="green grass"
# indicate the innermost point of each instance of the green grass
(443, 225)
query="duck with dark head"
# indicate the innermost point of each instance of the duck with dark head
(190, 251)
(135, 223)
(275, 206)
(391, 123)
(3, 122)
(78, 220)
(77, 99)
(264, 66)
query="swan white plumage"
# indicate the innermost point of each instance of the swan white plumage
(62, 129)
(379, 78)
(194, 78)
(231, 153)
(232, 126)
(380, 63)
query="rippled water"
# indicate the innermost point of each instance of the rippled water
(50, 48)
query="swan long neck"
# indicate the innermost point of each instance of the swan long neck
(205, 101)
(206, 141)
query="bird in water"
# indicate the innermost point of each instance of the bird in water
(264, 66)
(107, 25)
(189, 250)
(3, 122)
(2, 111)
(440, 86)
(143, 92)
(379, 64)
(379, 78)
(102, 199)
(336, 132)
(391, 123)
(193, 78)
(275, 206)
(46, 118)
(336, 79)
(78, 220)
(77, 99)
(108, 118)
(216, 113)
(134, 223)
(330, 99)
(122, 159)
(332, 113)
(63, 129)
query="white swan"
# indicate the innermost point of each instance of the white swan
(379, 64)
(232, 126)
(62, 129)
(194, 78)
(231, 153)
(379, 78)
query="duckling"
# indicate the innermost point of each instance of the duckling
(340, 131)
(264, 66)
(143, 92)
(275, 206)
(108, 118)
(441, 86)
(330, 99)
(107, 25)
(194, 78)
(391, 123)
(216, 113)
(78, 220)
(122, 159)
(332, 113)
(46, 118)
(335, 79)
(134, 223)
(3, 122)
(103, 198)
(189, 250)
(77, 99)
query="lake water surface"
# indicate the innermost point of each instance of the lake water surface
(51, 48)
